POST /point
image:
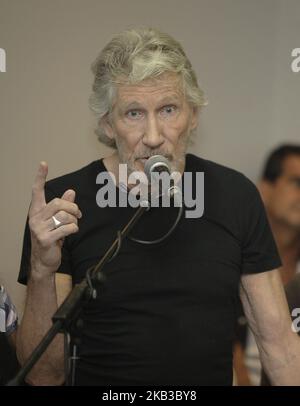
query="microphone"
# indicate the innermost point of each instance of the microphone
(155, 165)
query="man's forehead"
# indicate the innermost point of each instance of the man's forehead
(166, 86)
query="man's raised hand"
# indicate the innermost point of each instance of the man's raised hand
(46, 240)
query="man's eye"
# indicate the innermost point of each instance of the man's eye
(134, 114)
(169, 110)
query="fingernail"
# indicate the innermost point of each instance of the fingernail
(79, 214)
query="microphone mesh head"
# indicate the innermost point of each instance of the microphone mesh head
(156, 163)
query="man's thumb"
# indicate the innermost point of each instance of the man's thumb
(69, 195)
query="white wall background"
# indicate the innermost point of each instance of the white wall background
(241, 51)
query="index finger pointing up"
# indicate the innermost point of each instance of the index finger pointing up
(38, 200)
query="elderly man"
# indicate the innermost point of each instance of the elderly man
(167, 311)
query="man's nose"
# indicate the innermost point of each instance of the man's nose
(152, 135)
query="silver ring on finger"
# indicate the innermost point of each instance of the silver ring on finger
(56, 222)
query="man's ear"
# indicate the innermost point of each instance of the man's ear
(194, 118)
(105, 123)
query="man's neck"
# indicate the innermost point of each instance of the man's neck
(287, 238)
(288, 243)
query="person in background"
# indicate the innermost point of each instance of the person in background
(279, 187)
(8, 331)
(280, 191)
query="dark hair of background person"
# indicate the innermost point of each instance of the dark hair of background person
(274, 164)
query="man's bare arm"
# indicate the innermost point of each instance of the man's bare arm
(43, 298)
(268, 315)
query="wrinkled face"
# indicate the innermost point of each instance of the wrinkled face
(282, 198)
(151, 118)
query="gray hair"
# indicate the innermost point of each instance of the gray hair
(133, 56)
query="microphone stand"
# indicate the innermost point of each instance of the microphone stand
(66, 316)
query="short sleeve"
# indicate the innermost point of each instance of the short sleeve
(65, 266)
(259, 250)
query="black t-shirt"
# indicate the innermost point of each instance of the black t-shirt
(167, 313)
